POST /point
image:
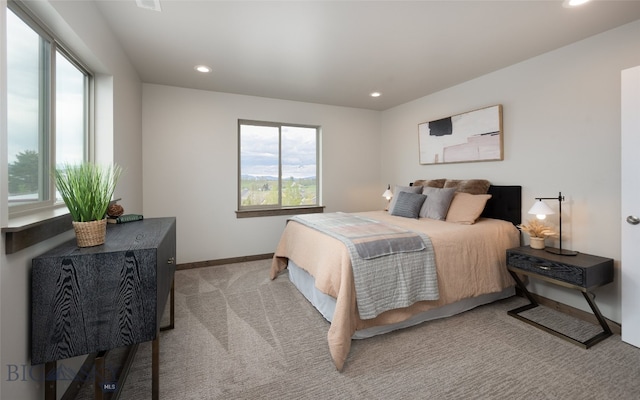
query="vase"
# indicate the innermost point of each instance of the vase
(536, 243)
(91, 233)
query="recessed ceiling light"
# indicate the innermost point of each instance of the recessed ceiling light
(573, 3)
(149, 4)
(375, 94)
(203, 68)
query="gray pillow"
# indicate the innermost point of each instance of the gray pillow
(398, 189)
(408, 205)
(437, 203)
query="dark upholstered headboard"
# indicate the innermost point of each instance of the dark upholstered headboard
(505, 203)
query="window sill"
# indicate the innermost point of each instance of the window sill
(279, 211)
(28, 230)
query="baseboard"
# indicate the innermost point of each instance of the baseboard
(222, 261)
(574, 312)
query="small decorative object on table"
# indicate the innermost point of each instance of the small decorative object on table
(87, 189)
(537, 232)
(115, 210)
(125, 218)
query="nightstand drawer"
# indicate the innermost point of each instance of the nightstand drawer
(563, 272)
(582, 271)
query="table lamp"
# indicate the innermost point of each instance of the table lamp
(541, 210)
(388, 194)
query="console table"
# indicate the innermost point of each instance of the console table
(91, 300)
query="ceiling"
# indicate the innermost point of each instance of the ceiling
(338, 52)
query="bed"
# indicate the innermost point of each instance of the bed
(470, 262)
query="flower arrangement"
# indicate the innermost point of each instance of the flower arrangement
(537, 228)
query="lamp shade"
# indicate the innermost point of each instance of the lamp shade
(387, 194)
(541, 209)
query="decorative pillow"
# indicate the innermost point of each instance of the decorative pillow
(398, 189)
(437, 203)
(466, 208)
(408, 205)
(471, 186)
(436, 183)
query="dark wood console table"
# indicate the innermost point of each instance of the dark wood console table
(91, 300)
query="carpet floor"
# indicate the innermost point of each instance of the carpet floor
(239, 335)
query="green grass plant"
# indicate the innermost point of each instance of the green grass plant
(87, 189)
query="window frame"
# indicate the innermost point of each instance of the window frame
(47, 134)
(277, 209)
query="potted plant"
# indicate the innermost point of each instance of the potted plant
(87, 189)
(538, 232)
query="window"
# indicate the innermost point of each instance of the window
(47, 111)
(278, 166)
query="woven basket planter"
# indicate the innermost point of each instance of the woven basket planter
(90, 233)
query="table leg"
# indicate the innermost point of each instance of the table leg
(50, 380)
(523, 288)
(98, 390)
(155, 368)
(533, 304)
(171, 308)
(606, 331)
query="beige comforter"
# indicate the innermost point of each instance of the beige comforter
(470, 261)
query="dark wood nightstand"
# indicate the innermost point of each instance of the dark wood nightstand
(582, 272)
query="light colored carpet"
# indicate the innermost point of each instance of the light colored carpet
(239, 335)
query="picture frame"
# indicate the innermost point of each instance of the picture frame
(468, 137)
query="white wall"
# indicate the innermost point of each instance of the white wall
(561, 133)
(190, 165)
(118, 128)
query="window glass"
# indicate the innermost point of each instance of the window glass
(278, 165)
(298, 166)
(70, 112)
(39, 138)
(259, 167)
(25, 109)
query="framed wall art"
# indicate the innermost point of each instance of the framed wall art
(468, 137)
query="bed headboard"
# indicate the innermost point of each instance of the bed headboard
(505, 203)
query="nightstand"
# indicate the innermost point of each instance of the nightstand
(582, 272)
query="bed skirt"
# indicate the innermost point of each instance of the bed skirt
(326, 304)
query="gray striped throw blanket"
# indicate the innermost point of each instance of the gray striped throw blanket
(392, 267)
